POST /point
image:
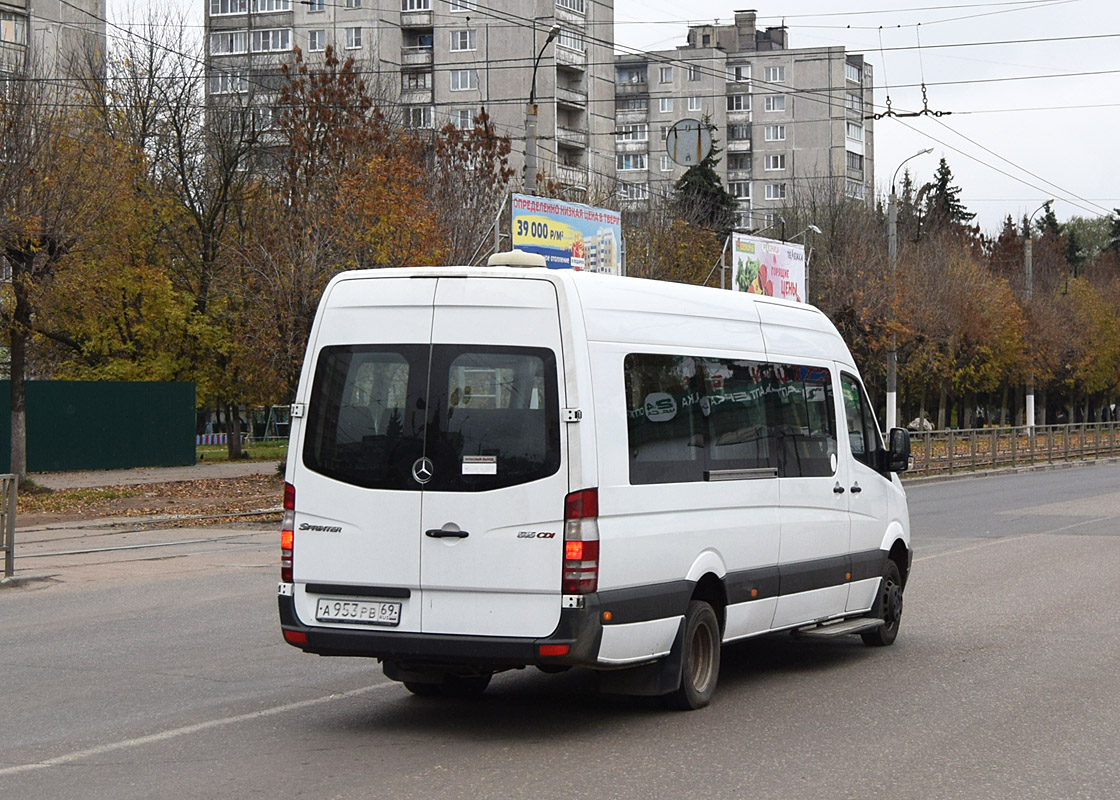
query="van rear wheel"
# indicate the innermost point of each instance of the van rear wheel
(890, 608)
(699, 658)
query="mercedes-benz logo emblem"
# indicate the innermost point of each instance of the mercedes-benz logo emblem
(422, 470)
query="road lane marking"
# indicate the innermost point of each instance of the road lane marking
(186, 730)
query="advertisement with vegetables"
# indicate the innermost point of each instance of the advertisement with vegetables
(769, 267)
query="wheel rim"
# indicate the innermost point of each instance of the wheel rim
(701, 657)
(892, 603)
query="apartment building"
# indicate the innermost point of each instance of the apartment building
(46, 36)
(786, 120)
(439, 61)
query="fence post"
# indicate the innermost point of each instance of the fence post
(9, 485)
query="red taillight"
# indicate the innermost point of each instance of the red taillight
(295, 637)
(581, 542)
(287, 533)
(546, 650)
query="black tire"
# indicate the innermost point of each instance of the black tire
(890, 608)
(423, 689)
(699, 658)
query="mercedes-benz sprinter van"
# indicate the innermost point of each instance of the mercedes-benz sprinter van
(492, 468)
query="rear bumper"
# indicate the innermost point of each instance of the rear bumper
(579, 629)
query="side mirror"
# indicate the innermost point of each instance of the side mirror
(898, 453)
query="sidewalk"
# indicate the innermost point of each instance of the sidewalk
(89, 479)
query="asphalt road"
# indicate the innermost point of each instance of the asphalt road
(161, 673)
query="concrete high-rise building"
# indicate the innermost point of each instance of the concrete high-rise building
(49, 37)
(441, 61)
(786, 120)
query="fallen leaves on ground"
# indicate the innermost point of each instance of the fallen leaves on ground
(206, 497)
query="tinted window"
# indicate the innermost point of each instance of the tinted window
(489, 418)
(692, 419)
(863, 432)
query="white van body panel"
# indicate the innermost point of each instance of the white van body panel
(783, 551)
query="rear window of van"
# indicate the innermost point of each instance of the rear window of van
(484, 417)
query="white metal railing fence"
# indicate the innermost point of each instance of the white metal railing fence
(9, 485)
(949, 451)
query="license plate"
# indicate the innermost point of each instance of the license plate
(360, 612)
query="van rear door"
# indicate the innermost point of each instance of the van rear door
(492, 512)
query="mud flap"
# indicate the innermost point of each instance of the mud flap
(648, 680)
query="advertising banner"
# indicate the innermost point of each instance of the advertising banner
(767, 266)
(568, 235)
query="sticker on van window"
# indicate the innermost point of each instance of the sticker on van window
(480, 465)
(660, 407)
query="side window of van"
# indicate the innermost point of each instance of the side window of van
(863, 433)
(693, 418)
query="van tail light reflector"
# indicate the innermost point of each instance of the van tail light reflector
(581, 542)
(287, 533)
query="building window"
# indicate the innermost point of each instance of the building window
(631, 104)
(852, 73)
(739, 162)
(854, 102)
(665, 105)
(316, 41)
(854, 131)
(694, 72)
(418, 116)
(631, 161)
(695, 103)
(855, 190)
(739, 73)
(228, 42)
(706, 40)
(665, 132)
(462, 118)
(353, 38)
(416, 81)
(775, 161)
(316, 5)
(463, 40)
(741, 190)
(573, 40)
(265, 6)
(775, 133)
(666, 164)
(739, 133)
(664, 74)
(634, 75)
(776, 74)
(358, 3)
(219, 7)
(738, 102)
(228, 83)
(775, 102)
(572, 5)
(272, 40)
(633, 133)
(775, 191)
(633, 191)
(463, 80)
(855, 161)
(13, 28)
(461, 5)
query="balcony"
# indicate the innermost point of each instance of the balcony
(630, 146)
(738, 145)
(420, 56)
(416, 97)
(573, 59)
(631, 116)
(738, 175)
(416, 19)
(631, 87)
(572, 176)
(571, 138)
(572, 98)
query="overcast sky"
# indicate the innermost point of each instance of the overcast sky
(1033, 86)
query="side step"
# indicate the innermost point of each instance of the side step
(827, 630)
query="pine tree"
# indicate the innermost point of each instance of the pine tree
(701, 197)
(943, 205)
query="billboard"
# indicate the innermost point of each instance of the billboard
(767, 266)
(568, 235)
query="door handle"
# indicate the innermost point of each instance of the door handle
(440, 533)
(838, 489)
(856, 489)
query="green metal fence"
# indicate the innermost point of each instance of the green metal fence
(102, 425)
(949, 451)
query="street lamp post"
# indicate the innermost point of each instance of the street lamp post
(1028, 270)
(531, 119)
(892, 255)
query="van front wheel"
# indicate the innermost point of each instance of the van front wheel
(890, 608)
(699, 658)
